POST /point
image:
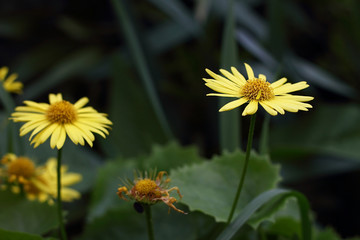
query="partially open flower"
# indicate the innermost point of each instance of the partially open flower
(150, 189)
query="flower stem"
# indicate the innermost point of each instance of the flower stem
(247, 157)
(59, 203)
(149, 221)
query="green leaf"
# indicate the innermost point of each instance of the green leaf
(109, 178)
(210, 187)
(264, 198)
(8, 235)
(125, 223)
(19, 214)
(170, 157)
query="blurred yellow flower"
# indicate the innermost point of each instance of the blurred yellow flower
(9, 83)
(59, 119)
(18, 169)
(150, 190)
(45, 183)
(273, 97)
(38, 182)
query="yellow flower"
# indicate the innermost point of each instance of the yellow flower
(9, 83)
(18, 169)
(59, 119)
(38, 182)
(44, 186)
(273, 97)
(150, 190)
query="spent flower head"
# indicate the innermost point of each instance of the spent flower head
(150, 188)
(273, 97)
(37, 182)
(60, 119)
(9, 83)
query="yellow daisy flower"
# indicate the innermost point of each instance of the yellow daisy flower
(273, 97)
(150, 190)
(38, 183)
(9, 83)
(59, 119)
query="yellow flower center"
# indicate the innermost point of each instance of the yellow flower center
(257, 89)
(21, 167)
(61, 112)
(146, 187)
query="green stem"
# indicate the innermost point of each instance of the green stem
(247, 157)
(59, 202)
(149, 221)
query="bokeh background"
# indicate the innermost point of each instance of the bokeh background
(143, 64)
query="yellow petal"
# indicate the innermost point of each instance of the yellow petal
(62, 138)
(3, 72)
(238, 75)
(233, 78)
(55, 136)
(81, 102)
(278, 83)
(233, 104)
(268, 109)
(287, 88)
(249, 71)
(251, 108)
(262, 76)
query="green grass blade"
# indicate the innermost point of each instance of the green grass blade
(140, 61)
(260, 201)
(229, 121)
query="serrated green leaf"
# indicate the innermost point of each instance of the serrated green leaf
(170, 157)
(19, 214)
(210, 187)
(109, 178)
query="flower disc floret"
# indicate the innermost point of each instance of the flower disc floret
(61, 112)
(147, 188)
(257, 89)
(21, 167)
